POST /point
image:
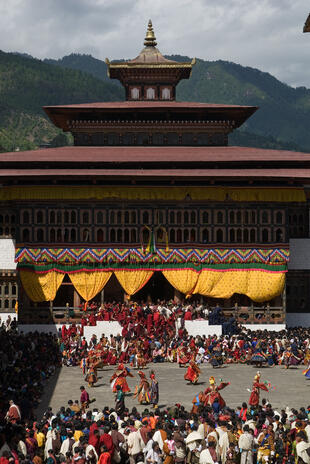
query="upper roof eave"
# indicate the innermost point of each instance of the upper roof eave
(128, 64)
(165, 154)
(149, 104)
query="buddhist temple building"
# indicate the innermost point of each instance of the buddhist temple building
(151, 202)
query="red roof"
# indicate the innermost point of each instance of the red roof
(183, 173)
(152, 154)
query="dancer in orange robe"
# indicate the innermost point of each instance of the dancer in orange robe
(212, 393)
(119, 378)
(91, 376)
(182, 356)
(192, 373)
(143, 389)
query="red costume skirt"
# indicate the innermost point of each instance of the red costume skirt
(123, 383)
(191, 375)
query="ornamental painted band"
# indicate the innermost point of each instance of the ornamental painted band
(110, 256)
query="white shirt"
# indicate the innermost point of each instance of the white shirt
(205, 457)
(21, 447)
(88, 450)
(65, 446)
(157, 437)
(153, 456)
(135, 443)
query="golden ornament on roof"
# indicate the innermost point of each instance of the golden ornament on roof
(150, 39)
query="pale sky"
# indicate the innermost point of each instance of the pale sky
(264, 34)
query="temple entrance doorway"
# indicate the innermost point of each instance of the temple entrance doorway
(157, 288)
(65, 294)
(113, 291)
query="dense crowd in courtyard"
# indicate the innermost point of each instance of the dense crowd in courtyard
(83, 431)
(156, 333)
(142, 315)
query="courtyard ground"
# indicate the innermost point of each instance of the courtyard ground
(291, 388)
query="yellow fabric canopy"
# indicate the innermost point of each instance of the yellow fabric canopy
(132, 281)
(41, 287)
(258, 285)
(183, 280)
(89, 284)
(245, 194)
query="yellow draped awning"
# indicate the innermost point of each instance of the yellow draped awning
(89, 284)
(184, 280)
(41, 287)
(234, 194)
(258, 285)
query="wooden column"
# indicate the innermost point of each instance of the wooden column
(76, 299)
(178, 296)
(51, 312)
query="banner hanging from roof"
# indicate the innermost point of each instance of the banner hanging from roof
(112, 257)
(235, 194)
(217, 272)
(258, 284)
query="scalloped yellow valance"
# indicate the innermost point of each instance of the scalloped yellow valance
(235, 194)
(259, 285)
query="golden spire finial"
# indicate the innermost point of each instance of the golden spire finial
(150, 39)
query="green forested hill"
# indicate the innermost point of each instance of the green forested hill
(27, 84)
(284, 111)
(85, 63)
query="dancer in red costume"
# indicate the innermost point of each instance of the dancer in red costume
(182, 356)
(254, 397)
(192, 373)
(119, 378)
(91, 376)
(143, 389)
(212, 393)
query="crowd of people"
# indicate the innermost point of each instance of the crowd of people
(154, 319)
(210, 432)
(26, 362)
(158, 334)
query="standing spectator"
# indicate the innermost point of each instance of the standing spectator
(104, 457)
(246, 445)
(135, 445)
(13, 415)
(84, 399)
(154, 455)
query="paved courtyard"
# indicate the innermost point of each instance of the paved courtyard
(290, 386)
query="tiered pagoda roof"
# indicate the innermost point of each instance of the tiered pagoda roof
(152, 140)
(150, 65)
(133, 113)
